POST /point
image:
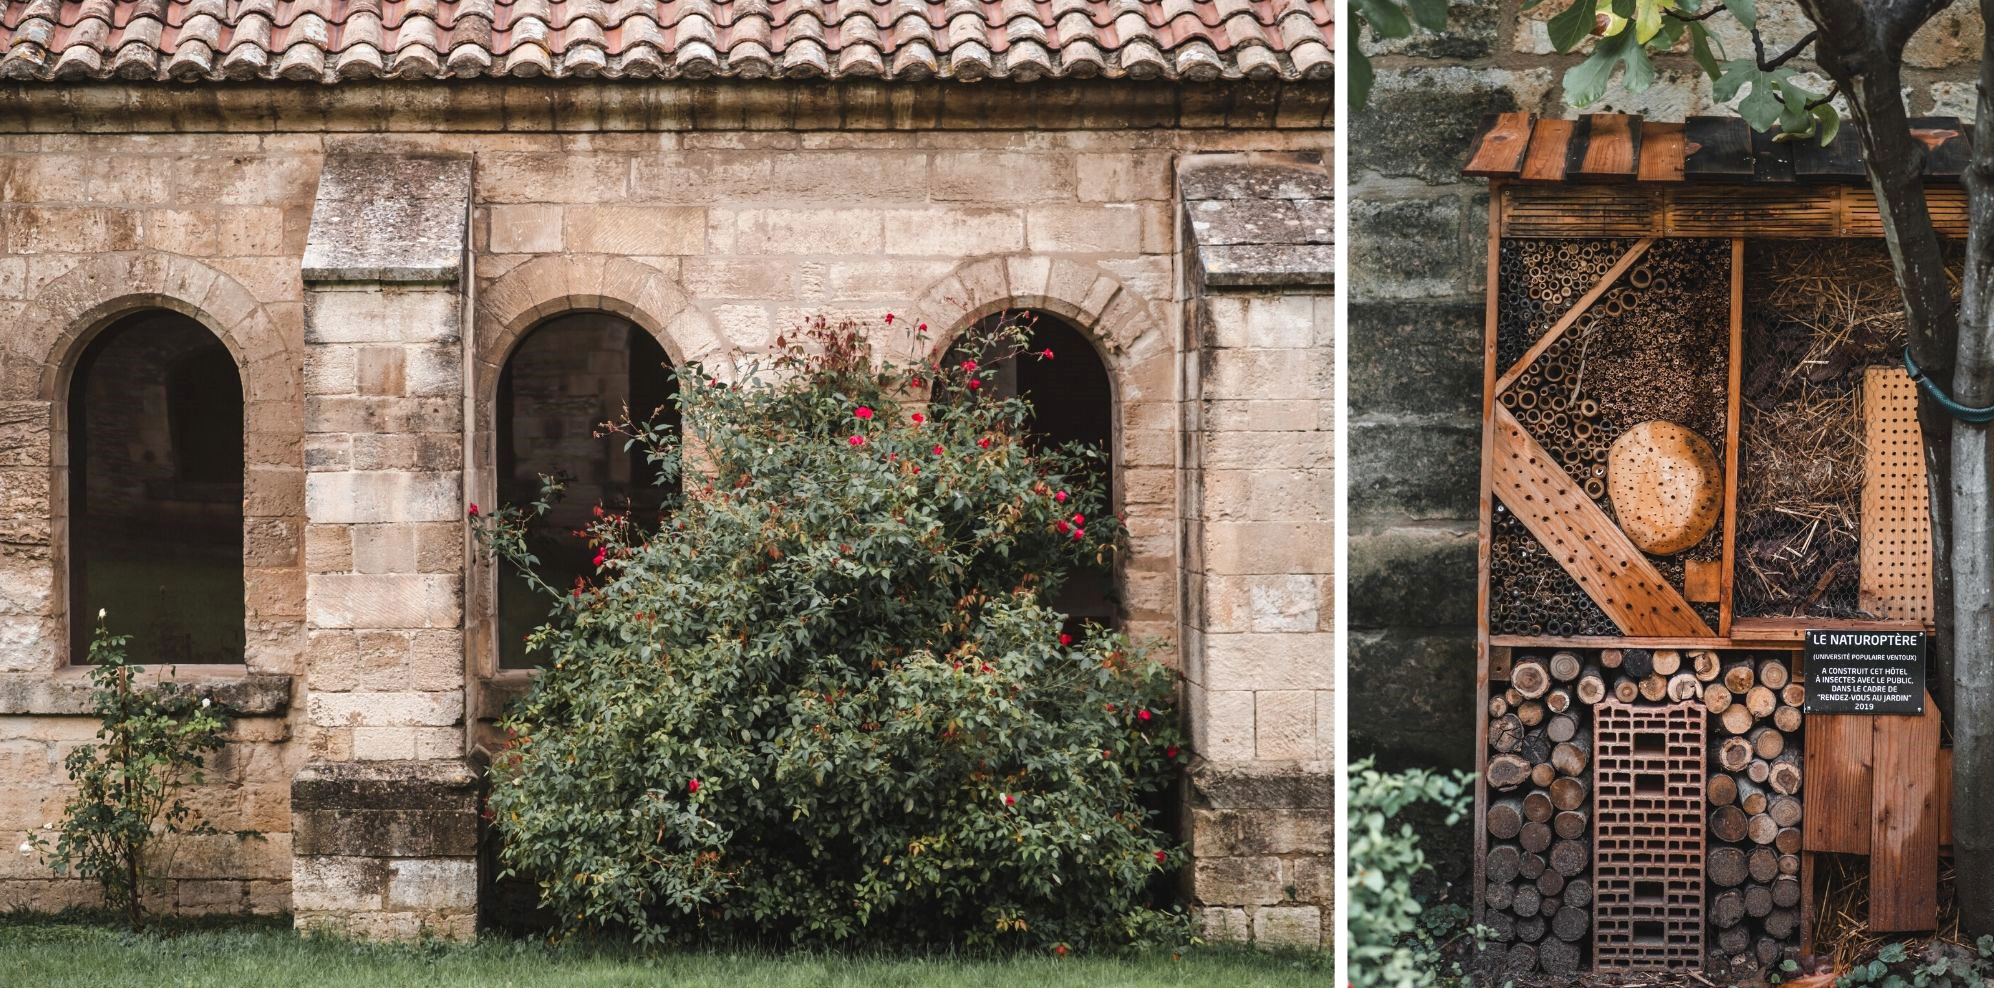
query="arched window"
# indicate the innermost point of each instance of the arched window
(155, 491)
(1071, 403)
(564, 379)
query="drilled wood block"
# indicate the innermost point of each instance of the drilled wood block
(1648, 886)
(1896, 522)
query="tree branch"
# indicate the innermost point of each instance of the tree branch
(1759, 48)
(1715, 9)
(1833, 91)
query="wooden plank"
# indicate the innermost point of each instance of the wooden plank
(1717, 148)
(1499, 150)
(1661, 152)
(1572, 315)
(1613, 147)
(1792, 631)
(1575, 147)
(1840, 161)
(1620, 209)
(1545, 161)
(1772, 160)
(1904, 823)
(1835, 799)
(1491, 314)
(1733, 402)
(1607, 641)
(1584, 541)
(1895, 553)
(1946, 145)
(1703, 582)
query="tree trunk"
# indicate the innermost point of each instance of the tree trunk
(1972, 556)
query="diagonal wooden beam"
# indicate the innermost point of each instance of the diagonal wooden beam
(1571, 317)
(1585, 542)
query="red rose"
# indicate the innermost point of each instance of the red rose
(986, 667)
(917, 470)
(1170, 752)
(1046, 353)
(858, 440)
(1060, 950)
(1060, 527)
(600, 555)
(1161, 857)
(692, 785)
(578, 593)
(1060, 497)
(919, 418)
(1079, 533)
(889, 319)
(915, 382)
(474, 509)
(1066, 639)
(973, 385)
(862, 412)
(1079, 519)
(1010, 800)
(922, 328)
(983, 443)
(969, 365)
(938, 451)
(1142, 715)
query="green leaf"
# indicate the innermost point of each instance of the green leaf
(1828, 122)
(1647, 20)
(1387, 19)
(1746, 11)
(1357, 66)
(1699, 49)
(1892, 953)
(1572, 25)
(1429, 14)
(1586, 82)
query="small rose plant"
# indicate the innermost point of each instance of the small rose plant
(827, 700)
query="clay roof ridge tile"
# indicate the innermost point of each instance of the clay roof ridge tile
(361, 60)
(914, 59)
(301, 62)
(136, 61)
(861, 60)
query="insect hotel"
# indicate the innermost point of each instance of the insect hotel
(1701, 462)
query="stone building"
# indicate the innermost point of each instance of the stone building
(283, 286)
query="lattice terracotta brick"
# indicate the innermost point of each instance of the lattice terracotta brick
(1648, 832)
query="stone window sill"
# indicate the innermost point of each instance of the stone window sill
(67, 691)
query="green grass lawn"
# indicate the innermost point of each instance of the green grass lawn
(52, 952)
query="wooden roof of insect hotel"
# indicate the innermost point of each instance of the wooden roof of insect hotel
(1613, 175)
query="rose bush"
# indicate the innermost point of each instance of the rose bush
(825, 699)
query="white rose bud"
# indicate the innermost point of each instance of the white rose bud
(48, 826)
(101, 612)
(27, 848)
(205, 702)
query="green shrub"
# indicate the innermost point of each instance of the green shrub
(152, 743)
(825, 699)
(1390, 946)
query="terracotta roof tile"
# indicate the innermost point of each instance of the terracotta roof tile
(332, 40)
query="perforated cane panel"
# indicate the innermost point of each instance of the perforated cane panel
(1648, 767)
(1896, 523)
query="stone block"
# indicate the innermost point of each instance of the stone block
(800, 231)
(1284, 725)
(1291, 661)
(1294, 927)
(387, 833)
(1413, 248)
(1109, 229)
(70, 229)
(953, 232)
(359, 497)
(1416, 357)
(433, 883)
(1291, 602)
(1224, 727)
(1236, 881)
(438, 785)
(1418, 469)
(1421, 120)
(1268, 547)
(1422, 576)
(523, 229)
(384, 709)
(634, 230)
(378, 370)
(390, 218)
(384, 548)
(1224, 924)
(365, 600)
(383, 744)
(1258, 832)
(1001, 177)
(381, 315)
(338, 884)
(1431, 722)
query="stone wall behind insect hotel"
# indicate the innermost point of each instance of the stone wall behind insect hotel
(757, 231)
(1418, 247)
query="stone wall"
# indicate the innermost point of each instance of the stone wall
(1418, 243)
(370, 376)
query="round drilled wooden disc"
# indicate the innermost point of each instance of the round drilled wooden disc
(1665, 486)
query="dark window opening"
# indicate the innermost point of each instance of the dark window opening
(1071, 403)
(569, 375)
(155, 492)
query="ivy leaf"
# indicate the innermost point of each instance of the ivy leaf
(1746, 11)
(1586, 82)
(1571, 25)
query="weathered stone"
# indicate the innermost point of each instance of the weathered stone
(242, 696)
(1429, 674)
(1299, 927)
(1243, 881)
(1423, 576)
(427, 785)
(1419, 469)
(1257, 787)
(1421, 119)
(385, 217)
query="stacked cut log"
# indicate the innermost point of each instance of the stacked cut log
(1752, 857)
(1538, 865)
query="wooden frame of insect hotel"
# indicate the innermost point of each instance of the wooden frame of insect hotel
(1699, 445)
